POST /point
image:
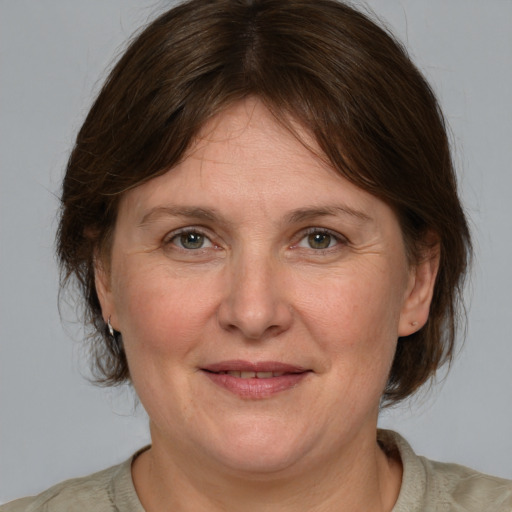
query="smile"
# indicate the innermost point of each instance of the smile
(255, 380)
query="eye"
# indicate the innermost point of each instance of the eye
(191, 240)
(319, 239)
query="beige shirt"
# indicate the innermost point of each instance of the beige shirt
(426, 486)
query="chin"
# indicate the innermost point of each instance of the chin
(254, 463)
(266, 449)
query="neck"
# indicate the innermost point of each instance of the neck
(359, 479)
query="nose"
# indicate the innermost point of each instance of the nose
(254, 304)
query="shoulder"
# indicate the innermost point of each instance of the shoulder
(459, 486)
(76, 494)
(436, 486)
(106, 491)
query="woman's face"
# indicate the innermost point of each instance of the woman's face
(260, 297)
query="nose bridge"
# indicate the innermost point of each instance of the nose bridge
(254, 303)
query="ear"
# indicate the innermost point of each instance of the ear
(102, 282)
(420, 289)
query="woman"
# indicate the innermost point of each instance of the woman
(262, 215)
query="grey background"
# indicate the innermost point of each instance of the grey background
(53, 423)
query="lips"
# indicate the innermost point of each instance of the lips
(255, 380)
(238, 365)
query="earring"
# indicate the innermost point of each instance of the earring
(110, 328)
(414, 324)
(116, 342)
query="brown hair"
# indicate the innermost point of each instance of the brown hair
(318, 62)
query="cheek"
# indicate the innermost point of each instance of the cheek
(354, 320)
(353, 310)
(161, 311)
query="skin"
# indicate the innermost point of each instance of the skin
(297, 265)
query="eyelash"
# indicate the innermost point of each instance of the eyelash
(192, 230)
(339, 239)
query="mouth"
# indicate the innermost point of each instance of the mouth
(255, 380)
(252, 375)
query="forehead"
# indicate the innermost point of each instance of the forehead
(244, 157)
(248, 127)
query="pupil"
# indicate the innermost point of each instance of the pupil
(319, 240)
(192, 240)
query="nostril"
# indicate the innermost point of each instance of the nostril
(254, 305)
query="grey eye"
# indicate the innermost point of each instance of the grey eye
(320, 240)
(192, 240)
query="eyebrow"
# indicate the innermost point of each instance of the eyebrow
(194, 212)
(304, 214)
(206, 214)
